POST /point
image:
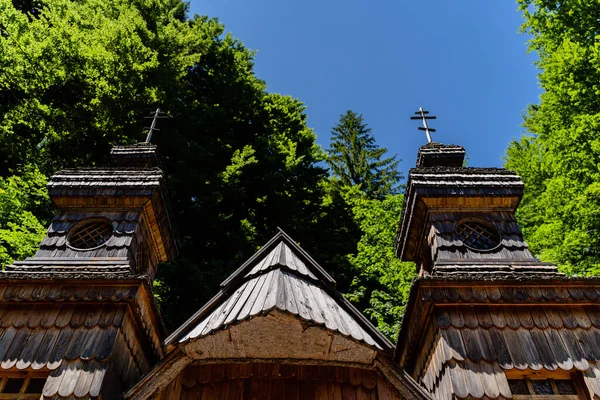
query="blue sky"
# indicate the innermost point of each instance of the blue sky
(463, 60)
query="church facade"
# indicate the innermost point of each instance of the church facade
(485, 319)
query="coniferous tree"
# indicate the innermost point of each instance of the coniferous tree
(355, 158)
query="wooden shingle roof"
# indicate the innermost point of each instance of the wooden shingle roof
(474, 348)
(281, 276)
(106, 182)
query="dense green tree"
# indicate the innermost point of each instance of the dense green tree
(79, 75)
(355, 158)
(20, 230)
(365, 184)
(382, 281)
(559, 157)
(240, 161)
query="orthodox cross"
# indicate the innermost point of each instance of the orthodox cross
(155, 115)
(422, 115)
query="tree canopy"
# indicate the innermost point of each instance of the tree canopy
(77, 78)
(559, 156)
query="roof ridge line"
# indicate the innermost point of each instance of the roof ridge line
(312, 265)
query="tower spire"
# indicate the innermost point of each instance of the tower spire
(422, 115)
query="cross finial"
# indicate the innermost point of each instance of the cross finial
(155, 115)
(422, 115)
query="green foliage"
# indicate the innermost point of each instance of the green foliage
(355, 159)
(81, 74)
(76, 77)
(382, 280)
(20, 230)
(560, 160)
(367, 209)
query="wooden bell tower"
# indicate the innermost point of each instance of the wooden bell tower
(79, 319)
(485, 318)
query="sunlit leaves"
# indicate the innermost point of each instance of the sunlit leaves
(560, 163)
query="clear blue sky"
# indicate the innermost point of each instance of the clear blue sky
(463, 60)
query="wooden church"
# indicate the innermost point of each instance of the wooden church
(485, 319)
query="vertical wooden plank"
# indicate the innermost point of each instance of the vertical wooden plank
(307, 390)
(292, 389)
(559, 351)
(321, 390)
(512, 319)
(369, 379)
(541, 343)
(457, 377)
(497, 317)
(278, 388)
(349, 392)
(513, 344)
(335, 391)
(470, 317)
(236, 390)
(224, 389)
(209, 392)
(355, 376)
(473, 379)
(189, 376)
(470, 339)
(501, 380)
(265, 387)
(362, 393)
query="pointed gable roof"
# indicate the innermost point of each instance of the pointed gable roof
(282, 276)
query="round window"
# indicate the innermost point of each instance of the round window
(478, 235)
(90, 235)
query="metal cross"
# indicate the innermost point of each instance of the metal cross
(422, 115)
(154, 115)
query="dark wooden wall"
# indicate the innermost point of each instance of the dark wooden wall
(277, 381)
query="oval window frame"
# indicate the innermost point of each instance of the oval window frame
(485, 223)
(84, 222)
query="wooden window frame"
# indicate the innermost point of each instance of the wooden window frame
(21, 394)
(530, 376)
(75, 230)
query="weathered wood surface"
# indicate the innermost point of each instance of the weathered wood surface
(438, 154)
(478, 346)
(74, 343)
(40, 337)
(277, 381)
(482, 292)
(139, 155)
